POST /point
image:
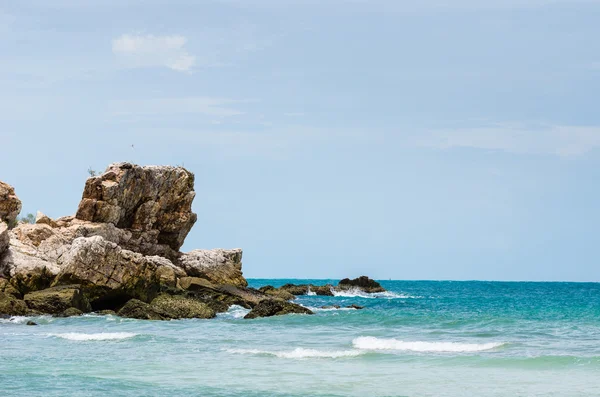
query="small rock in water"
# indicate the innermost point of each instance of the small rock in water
(353, 306)
(31, 323)
(331, 307)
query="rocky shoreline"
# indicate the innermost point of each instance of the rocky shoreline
(120, 254)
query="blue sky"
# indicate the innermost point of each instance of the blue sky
(399, 139)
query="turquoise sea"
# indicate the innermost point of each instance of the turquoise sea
(423, 338)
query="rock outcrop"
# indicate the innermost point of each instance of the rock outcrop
(362, 283)
(120, 253)
(156, 201)
(10, 205)
(276, 307)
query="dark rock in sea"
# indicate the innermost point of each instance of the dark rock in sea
(306, 289)
(176, 307)
(30, 323)
(11, 306)
(363, 283)
(277, 293)
(330, 307)
(58, 299)
(140, 310)
(353, 306)
(276, 307)
(70, 312)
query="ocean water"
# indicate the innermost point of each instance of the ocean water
(422, 338)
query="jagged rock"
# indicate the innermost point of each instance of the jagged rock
(70, 312)
(11, 306)
(219, 266)
(363, 283)
(139, 310)
(153, 198)
(176, 307)
(277, 293)
(57, 299)
(275, 307)
(10, 205)
(44, 219)
(108, 272)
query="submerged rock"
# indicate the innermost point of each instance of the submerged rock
(363, 283)
(276, 307)
(30, 323)
(70, 312)
(354, 306)
(58, 299)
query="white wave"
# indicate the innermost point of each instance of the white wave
(300, 353)
(358, 293)
(372, 343)
(234, 311)
(76, 336)
(310, 293)
(329, 309)
(24, 319)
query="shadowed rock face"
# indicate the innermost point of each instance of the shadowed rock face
(144, 199)
(10, 205)
(275, 307)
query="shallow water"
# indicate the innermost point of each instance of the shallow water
(422, 338)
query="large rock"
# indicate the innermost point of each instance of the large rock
(220, 297)
(58, 299)
(220, 266)
(140, 310)
(111, 275)
(11, 306)
(143, 199)
(10, 205)
(307, 289)
(276, 307)
(363, 283)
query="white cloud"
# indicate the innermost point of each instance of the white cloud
(216, 107)
(561, 140)
(138, 51)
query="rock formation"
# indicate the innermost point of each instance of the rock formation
(120, 253)
(362, 283)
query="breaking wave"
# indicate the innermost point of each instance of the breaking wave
(76, 336)
(372, 343)
(299, 353)
(357, 293)
(234, 312)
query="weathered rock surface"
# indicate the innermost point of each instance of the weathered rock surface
(144, 199)
(10, 205)
(307, 289)
(70, 312)
(57, 299)
(220, 266)
(108, 272)
(220, 297)
(276, 307)
(363, 283)
(4, 238)
(7, 288)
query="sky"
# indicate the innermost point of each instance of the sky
(429, 139)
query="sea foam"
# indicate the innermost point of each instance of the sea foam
(300, 353)
(358, 293)
(372, 343)
(76, 336)
(234, 312)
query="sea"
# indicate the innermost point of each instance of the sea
(421, 338)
